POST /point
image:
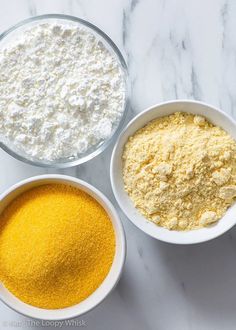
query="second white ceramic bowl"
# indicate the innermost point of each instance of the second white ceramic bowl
(116, 269)
(217, 117)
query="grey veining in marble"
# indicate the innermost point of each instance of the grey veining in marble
(174, 49)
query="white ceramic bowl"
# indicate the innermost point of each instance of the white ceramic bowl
(116, 269)
(217, 117)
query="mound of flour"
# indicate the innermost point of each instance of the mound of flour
(61, 91)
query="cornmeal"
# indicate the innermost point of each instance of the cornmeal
(57, 245)
(180, 171)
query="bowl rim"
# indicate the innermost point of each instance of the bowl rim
(119, 231)
(116, 191)
(123, 65)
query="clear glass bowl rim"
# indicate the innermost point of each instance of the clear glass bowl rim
(113, 137)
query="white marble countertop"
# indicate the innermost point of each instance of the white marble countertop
(174, 49)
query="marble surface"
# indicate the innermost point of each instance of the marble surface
(174, 49)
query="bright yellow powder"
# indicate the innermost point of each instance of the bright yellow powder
(57, 245)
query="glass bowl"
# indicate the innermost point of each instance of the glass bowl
(95, 150)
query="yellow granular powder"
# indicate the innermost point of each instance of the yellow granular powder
(180, 171)
(57, 245)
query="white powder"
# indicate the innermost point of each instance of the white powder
(61, 91)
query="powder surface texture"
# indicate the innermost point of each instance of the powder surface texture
(61, 91)
(57, 245)
(180, 171)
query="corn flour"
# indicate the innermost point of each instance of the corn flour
(180, 171)
(62, 91)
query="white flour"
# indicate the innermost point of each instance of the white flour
(61, 91)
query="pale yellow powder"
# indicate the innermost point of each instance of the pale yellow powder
(180, 171)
